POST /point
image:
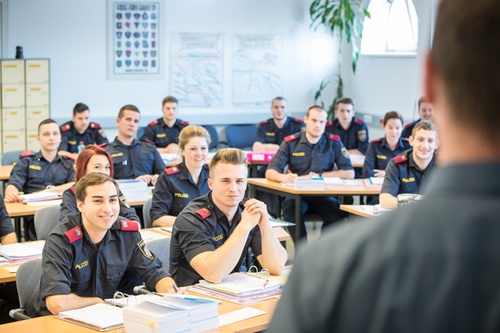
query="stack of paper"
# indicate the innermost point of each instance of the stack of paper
(172, 313)
(22, 250)
(102, 317)
(133, 189)
(374, 181)
(170, 157)
(241, 284)
(39, 196)
(309, 184)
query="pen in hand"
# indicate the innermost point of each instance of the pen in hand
(174, 287)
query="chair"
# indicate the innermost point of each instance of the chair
(146, 208)
(28, 278)
(161, 249)
(46, 219)
(11, 157)
(214, 137)
(241, 136)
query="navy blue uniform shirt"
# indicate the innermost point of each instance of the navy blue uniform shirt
(5, 223)
(158, 133)
(355, 137)
(409, 128)
(302, 157)
(33, 172)
(130, 162)
(268, 132)
(202, 227)
(72, 263)
(70, 138)
(379, 154)
(175, 188)
(403, 175)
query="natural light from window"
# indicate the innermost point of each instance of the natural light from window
(392, 29)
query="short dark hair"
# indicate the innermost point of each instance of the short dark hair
(465, 55)
(344, 100)
(421, 100)
(313, 108)
(45, 122)
(393, 115)
(129, 107)
(279, 98)
(92, 179)
(169, 99)
(79, 108)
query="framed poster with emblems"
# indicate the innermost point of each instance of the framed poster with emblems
(134, 44)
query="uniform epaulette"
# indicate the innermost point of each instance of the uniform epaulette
(126, 225)
(408, 125)
(203, 212)
(358, 121)
(73, 189)
(184, 122)
(291, 137)
(400, 159)
(376, 140)
(66, 127)
(406, 140)
(263, 122)
(148, 141)
(329, 123)
(74, 234)
(102, 145)
(334, 137)
(298, 120)
(154, 122)
(172, 171)
(26, 153)
(95, 125)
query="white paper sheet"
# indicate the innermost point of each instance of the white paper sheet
(239, 315)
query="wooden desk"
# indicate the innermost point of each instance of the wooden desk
(6, 276)
(5, 172)
(362, 210)
(50, 324)
(276, 188)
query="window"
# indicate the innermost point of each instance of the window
(392, 29)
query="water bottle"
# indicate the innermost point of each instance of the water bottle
(81, 146)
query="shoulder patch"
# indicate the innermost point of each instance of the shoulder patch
(263, 122)
(183, 122)
(65, 128)
(154, 122)
(74, 234)
(358, 121)
(95, 125)
(73, 189)
(291, 137)
(26, 153)
(298, 120)
(376, 140)
(400, 159)
(126, 225)
(102, 145)
(406, 140)
(408, 125)
(329, 123)
(203, 212)
(334, 137)
(149, 141)
(172, 171)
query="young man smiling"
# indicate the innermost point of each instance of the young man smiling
(408, 172)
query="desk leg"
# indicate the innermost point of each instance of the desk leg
(298, 218)
(17, 227)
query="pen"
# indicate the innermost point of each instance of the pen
(174, 287)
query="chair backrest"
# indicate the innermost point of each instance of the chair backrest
(161, 249)
(10, 157)
(46, 219)
(214, 136)
(241, 136)
(146, 208)
(28, 278)
(140, 132)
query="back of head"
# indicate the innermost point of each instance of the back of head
(84, 157)
(465, 54)
(232, 156)
(92, 179)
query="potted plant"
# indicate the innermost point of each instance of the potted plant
(344, 19)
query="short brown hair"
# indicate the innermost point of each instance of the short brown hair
(129, 107)
(344, 100)
(79, 108)
(45, 122)
(393, 115)
(465, 55)
(421, 100)
(92, 179)
(232, 156)
(315, 107)
(169, 99)
(423, 125)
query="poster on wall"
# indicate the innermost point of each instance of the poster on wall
(257, 69)
(196, 69)
(134, 40)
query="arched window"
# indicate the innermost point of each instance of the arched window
(392, 29)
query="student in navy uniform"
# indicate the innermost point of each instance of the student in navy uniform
(85, 257)
(94, 159)
(8, 292)
(271, 132)
(180, 184)
(408, 172)
(80, 131)
(313, 151)
(211, 236)
(42, 170)
(425, 111)
(133, 159)
(164, 132)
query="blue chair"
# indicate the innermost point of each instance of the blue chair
(11, 157)
(241, 136)
(214, 137)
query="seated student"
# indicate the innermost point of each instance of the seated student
(425, 111)
(94, 159)
(80, 132)
(408, 172)
(211, 236)
(85, 257)
(8, 291)
(312, 151)
(164, 132)
(180, 184)
(42, 170)
(133, 159)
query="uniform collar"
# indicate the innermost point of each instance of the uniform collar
(385, 144)
(303, 139)
(185, 175)
(412, 164)
(162, 123)
(117, 142)
(220, 215)
(38, 156)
